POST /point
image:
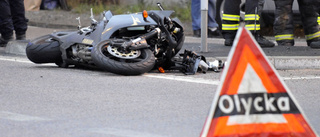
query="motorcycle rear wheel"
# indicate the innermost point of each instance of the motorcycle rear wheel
(44, 50)
(123, 66)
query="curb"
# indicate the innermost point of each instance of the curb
(286, 63)
(279, 62)
(17, 47)
(49, 25)
(295, 62)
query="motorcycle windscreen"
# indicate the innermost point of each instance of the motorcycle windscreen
(132, 21)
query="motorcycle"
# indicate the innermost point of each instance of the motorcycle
(128, 44)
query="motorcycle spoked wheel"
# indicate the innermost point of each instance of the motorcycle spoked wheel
(133, 63)
(44, 50)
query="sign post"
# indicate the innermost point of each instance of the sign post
(204, 25)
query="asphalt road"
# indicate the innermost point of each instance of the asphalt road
(44, 100)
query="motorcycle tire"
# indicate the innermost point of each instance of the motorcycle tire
(44, 50)
(103, 59)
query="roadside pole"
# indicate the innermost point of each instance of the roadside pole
(204, 25)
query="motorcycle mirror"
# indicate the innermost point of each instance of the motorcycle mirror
(92, 17)
(159, 5)
(79, 26)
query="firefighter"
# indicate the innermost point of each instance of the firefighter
(318, 10)
(12, 17)
(284, 28)
(231, 20)
(319, 18)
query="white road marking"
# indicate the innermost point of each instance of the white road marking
(19, 117)
(15, 59)
(161, 76)
(300, 78)
(213, 82)
(122, 133)
(21, 60)
(185, 79)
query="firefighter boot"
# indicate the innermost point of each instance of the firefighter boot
(20, 36)
(285, 43)
(315, 44)
(4, 40)
(263, 42)
(228, 42)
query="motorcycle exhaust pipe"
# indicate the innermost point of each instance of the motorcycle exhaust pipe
(152, 33)
(142, 43)
(138, 43)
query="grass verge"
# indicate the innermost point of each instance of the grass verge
(182, 9)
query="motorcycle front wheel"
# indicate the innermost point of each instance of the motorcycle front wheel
(112, 59)
(44, 50)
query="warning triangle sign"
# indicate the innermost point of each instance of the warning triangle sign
(251, 99)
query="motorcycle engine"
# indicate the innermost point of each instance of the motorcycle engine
(81, 53)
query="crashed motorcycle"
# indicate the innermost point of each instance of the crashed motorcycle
(128, 44)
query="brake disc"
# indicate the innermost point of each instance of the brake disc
(120, 54)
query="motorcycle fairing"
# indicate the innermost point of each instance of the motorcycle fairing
(68, 39)
(123, 21)
(131, 20)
